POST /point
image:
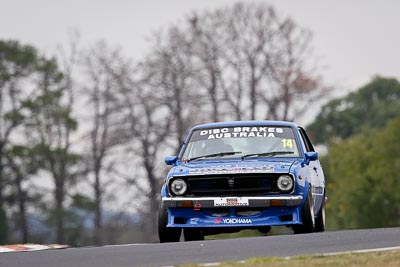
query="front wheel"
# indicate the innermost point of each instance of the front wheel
(320, 220)
(307, 216)
(166, 234)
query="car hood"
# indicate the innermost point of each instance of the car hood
(239, 166)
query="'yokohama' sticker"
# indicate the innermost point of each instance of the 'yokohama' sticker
(232, 221)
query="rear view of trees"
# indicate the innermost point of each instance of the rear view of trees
(99, 134)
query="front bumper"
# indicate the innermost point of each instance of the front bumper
(202, 212)
(211, 202)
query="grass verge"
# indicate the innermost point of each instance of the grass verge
(372, 259)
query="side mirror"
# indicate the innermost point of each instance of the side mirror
(310, 156)
(170, 160)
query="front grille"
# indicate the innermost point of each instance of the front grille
(225, 185)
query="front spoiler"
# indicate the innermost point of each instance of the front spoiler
(254, 202)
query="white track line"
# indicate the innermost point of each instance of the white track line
(361, 251)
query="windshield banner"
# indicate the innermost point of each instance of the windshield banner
(242, 132)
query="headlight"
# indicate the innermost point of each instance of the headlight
(285, 183)
(178, 187)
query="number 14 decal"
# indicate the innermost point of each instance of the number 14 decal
(287, 143)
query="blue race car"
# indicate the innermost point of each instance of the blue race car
(230, 176)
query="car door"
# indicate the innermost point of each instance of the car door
(316, 173)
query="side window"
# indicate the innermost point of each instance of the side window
(306, 140)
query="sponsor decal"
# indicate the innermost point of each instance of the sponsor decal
(231, 202)
(234, 169)
(236, 132)
(232, 221)
(194, 220)
(218, 221)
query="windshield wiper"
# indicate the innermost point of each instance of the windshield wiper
(268, 154)
(221, 154)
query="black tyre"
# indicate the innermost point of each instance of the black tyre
(320, 220)
(307, 216)
(166, 234)
(192, 234)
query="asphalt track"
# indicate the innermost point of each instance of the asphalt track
(206, 251)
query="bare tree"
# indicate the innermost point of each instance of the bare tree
(292, 80)
(171, 68)
(250, 30)
(148, 125)
(103, 67)
(206, 49)
(245, 57)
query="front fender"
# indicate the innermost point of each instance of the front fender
(302, 179)
(306, 191)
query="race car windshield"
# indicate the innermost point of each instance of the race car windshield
(249, 141)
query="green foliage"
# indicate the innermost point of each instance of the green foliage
(362, 179)
(45, 152)
(369, 107)
(26, 157)
(42, 119)
(83, 202)
(16, 60)
(16, 63)
(14, 116)
(49, 69)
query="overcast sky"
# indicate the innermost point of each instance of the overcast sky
(353, 40)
